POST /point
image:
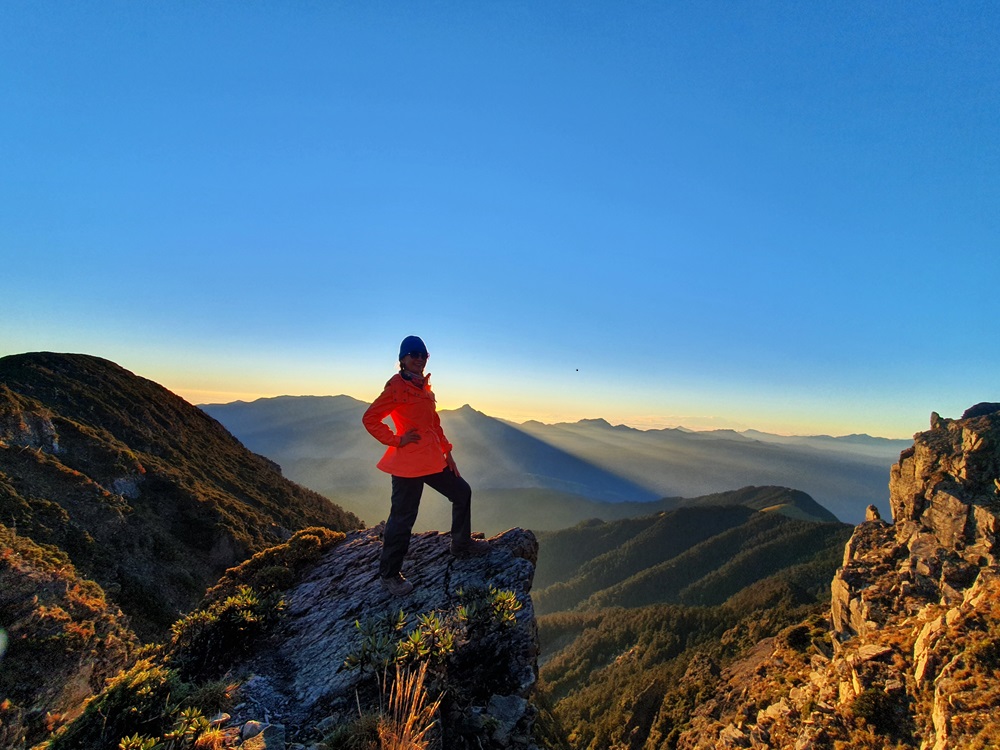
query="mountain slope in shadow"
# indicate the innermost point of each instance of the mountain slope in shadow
(680, 463)
(698, 554)
(499, 450)
(146, 494)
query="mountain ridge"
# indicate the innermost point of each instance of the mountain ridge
(136, 484)
(914, 619)
(596, 421)
(589, 458)
(903, 653)
(670, 556)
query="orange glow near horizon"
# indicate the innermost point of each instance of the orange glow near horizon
(197, 396)
(523, 399)
(518, 416)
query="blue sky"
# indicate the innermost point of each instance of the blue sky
(774, 215)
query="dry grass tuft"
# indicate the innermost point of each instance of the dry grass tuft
(411, 714)
(212, 739)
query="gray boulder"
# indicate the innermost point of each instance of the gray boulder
(301, 678)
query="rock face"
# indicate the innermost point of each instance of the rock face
(945, 505)
(913, 641)
(300, 680)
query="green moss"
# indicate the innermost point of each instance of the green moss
(881, 711)
(275, 568)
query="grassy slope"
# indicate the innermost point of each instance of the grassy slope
(680, 555)
(63, 639)
(146, 494)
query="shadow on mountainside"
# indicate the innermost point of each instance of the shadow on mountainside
(145, 493)
(496, 450)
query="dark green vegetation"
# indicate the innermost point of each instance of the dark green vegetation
(624, 677)
(641, 615)
(244, 605)
(120, 503)
(700, 554)
(792, 503)
(464, 651)
(176, 685)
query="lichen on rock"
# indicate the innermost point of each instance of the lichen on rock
(301, 677)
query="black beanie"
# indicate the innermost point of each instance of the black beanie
(411, 344)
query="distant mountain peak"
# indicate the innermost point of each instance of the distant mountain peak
(467, 411)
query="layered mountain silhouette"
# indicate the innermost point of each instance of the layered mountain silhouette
(706, 623)
(552, 476)
(700, 554)
(738, 638)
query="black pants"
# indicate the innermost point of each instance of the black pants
(406, 492)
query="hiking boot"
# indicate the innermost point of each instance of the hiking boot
(397, 585)
(470, 548)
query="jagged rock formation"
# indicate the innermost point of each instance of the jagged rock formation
(301, 682)
(301, 649)
(913, 646)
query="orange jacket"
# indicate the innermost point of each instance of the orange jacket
(409, 406)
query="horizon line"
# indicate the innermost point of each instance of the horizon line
(665, 423)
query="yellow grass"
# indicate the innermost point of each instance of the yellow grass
(213, 739)
(410, 716)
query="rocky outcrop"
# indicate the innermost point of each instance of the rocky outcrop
(945, 500)
(301, 679)
(913, 641)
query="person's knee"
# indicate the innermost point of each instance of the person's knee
(462, 492)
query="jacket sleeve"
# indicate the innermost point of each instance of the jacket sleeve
(379, 410)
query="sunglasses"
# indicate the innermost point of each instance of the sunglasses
(418, 355)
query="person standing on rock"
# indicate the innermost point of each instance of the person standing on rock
(418, 453)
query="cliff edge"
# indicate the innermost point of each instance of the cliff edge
(324, 661)
(910, 653)
(300, 648)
